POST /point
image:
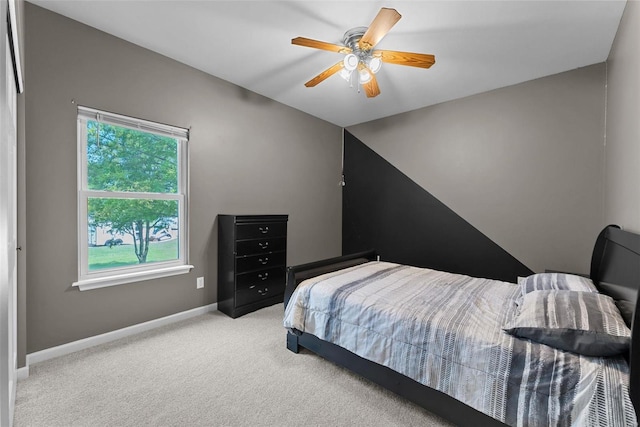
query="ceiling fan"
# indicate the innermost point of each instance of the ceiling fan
(361, 61)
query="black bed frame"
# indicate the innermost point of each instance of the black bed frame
(615, 269)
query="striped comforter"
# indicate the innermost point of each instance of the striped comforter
(445, 331)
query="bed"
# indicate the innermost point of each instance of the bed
(354, 311)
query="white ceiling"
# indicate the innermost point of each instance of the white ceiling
(479, 45)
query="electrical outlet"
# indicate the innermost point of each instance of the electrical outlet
(200, 283)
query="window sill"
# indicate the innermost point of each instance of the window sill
(120, 279)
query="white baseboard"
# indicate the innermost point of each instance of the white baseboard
(22, 373)
(64, 349)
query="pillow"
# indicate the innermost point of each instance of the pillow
(626, 309)
(581, 322)
(556, 281)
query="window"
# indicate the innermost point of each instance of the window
(132, 199)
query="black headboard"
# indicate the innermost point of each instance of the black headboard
(615, 269)
(298, 273)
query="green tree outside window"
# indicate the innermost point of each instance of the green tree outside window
(121, 160)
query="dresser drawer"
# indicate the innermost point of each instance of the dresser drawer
(263, 278)
(261, 245)
(260, 262)
(258, 230)
(257, 293)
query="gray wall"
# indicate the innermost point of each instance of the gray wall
(622, 153)
(523, 164)
(249, 155)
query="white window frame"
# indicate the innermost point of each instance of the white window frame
(116, 276)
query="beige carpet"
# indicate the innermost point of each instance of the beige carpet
(207, 371)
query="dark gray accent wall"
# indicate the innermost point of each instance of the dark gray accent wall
(248, 155)
(385, 210)
(522, 164)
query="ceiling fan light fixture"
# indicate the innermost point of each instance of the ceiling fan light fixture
(350, 62)
(374, 64)
(346, 74)
(364, 76)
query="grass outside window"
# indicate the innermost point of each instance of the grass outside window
(102, 257)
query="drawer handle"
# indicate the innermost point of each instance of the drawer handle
(261, 277)
(263, 291)
(264, 230)
(263, 245)
(266, 260)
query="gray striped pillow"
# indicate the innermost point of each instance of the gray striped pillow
(581, 322)
(556, 281)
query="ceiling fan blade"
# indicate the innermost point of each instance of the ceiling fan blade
(371, 88)
(316, 44)
(422, 60)
(380, 26)
(325, 74)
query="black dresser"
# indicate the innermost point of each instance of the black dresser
(252, 258)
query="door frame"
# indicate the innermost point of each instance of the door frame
(11, 84)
